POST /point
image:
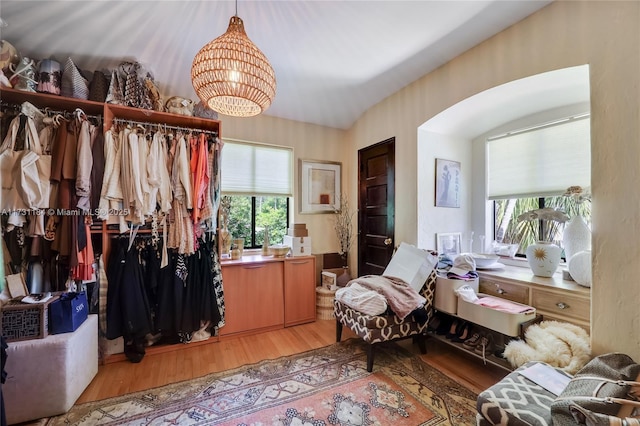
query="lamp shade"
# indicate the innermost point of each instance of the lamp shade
(232, 76)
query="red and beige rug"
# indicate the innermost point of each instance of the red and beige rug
(327, 386)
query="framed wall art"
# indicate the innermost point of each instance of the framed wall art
(448, 181)
(319, 186)
(449, 243)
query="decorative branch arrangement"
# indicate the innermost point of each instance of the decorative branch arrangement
(550, 220)
(225, 210)
(343, 224)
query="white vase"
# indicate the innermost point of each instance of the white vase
(576, 237)
(543, 258)
(580, 268)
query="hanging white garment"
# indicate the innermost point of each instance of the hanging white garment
(84, 160)
(148, 205)
(159, 179)
(111, 195)
(136, 200)
(181, 174)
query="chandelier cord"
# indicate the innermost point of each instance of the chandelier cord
(236, 7)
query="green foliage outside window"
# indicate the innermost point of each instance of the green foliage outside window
(270, 212)
(509, 231)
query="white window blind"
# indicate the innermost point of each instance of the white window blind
(256, 169)
(540, 162)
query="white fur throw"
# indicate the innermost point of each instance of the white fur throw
(559, 344)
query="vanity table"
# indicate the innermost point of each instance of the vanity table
(554, 297)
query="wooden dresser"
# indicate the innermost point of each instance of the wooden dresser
(265, 293)
(554, 298)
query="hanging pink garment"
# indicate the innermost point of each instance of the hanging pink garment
(84, 269)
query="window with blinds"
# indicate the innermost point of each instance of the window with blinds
(532, 168)
(256, 169)
(541, 161)
(258, 180)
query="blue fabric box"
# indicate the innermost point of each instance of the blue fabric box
(68, 312)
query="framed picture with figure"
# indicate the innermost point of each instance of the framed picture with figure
(449, 243)
(448, 181)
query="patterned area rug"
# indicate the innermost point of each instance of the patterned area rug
(327, 386)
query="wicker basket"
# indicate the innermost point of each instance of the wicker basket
(324, 303)
(24, 321)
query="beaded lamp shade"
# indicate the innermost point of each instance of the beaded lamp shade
(232, 76)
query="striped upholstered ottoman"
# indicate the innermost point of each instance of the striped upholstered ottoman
(515, 401)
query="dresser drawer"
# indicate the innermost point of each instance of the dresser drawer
(561, 305)
(581, 324)
(513, 292)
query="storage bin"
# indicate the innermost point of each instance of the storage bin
(298, 230)
(300, 246)
(68, 312)
(24, 321)
(446, 299)
(502, 322)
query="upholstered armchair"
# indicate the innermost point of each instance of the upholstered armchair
(375, 329)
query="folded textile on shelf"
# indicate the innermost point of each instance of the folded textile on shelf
(503, 305)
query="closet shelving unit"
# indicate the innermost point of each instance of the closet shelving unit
(109, 112)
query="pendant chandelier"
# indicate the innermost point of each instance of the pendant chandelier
(232, 76)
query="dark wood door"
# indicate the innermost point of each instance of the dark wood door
(376, 207)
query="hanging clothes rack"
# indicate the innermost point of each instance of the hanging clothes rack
(7, 105)
(48, 111)
(165, 126)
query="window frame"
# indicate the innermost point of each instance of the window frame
(250, 241)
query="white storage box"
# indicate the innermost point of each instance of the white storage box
(300, 246)
(502, 322)
(446, 299)
(329, 280)
(412, 265)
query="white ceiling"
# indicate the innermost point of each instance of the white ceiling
(333, 59)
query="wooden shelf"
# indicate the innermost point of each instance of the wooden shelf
(489, 359)
(112, 111)
(54, 102)
(109, 111)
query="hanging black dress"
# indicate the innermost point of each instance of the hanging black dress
(128, 312)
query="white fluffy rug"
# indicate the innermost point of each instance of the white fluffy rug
(559, 344)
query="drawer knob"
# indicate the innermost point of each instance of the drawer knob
(562, 305)
(501, 291)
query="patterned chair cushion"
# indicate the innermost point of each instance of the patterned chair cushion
(380, 328)
(515, 400)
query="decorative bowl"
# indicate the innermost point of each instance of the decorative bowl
(484, 260)
(279, 250)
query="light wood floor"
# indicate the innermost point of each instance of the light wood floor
(159, 369)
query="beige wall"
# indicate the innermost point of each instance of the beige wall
(309, 142)
(605, 35)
